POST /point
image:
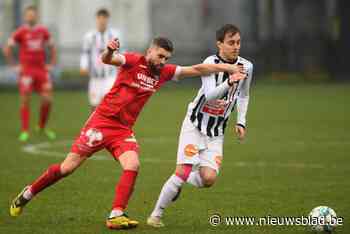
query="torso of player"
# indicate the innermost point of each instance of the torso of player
(134, 85)
(211, 117)
(31, 41)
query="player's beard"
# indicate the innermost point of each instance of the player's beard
(155, 69)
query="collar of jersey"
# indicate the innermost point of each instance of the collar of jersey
(225, 61)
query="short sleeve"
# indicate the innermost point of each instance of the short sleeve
(17, 35)
(170, 72)
(130, 59)
(47, 35)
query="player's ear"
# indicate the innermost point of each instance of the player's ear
(218, 44)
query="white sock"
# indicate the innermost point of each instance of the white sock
(195, 179)
(168, 192)
(28, 194)
(116, 213)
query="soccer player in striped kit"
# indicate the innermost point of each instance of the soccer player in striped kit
(110, 125)
(200, 148)
(102, 76)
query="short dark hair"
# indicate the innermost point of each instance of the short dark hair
(164, 43)
(102, 12)
(31, 8)
(227, 28)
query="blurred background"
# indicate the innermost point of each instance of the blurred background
(300, 39)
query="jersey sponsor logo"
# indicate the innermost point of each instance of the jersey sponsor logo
(191, 150)
(94, 136)
(34, 44)
(145, 82)
(215, 107)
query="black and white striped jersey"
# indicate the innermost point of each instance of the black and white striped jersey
(210, 113)
(94, 43)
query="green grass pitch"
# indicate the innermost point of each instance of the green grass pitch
(296, 157)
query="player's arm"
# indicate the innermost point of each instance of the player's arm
(205, 69)
(111, 56)
(85, 56)
(53, 54)
(8, 51)
(242, 105)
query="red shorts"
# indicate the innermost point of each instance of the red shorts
(37, 79)
(100, 132)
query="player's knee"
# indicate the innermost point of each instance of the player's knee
(208, 178)
(132, 166)
(72, 162)
(25, 99)
(46, 97)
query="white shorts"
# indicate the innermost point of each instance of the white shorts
(198, 149)
(98, 88)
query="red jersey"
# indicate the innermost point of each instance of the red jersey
(134, 85)
(31, 43)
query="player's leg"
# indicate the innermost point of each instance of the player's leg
(127, 154)
(52, 175)
(89, 141)
(25, 84)
(169, 193)
(210, 162)
(44, 88)
(189, 144)
(94, 92)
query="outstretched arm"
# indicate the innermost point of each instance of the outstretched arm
(110, 57)
(205, 69)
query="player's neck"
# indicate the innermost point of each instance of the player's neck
(225, 59)
(31, 25)
(101, 30)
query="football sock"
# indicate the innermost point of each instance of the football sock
(28, 195)
(49, 177)
(124, 189)
(25, 113)
(168, 192)
(195, 179)
(44, 113)
(116, 213)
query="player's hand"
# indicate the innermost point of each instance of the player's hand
(236, 77)
(84, 72)
(16, 68)
(113, 45)
(240, 132)
(232, 69)
(49, 67)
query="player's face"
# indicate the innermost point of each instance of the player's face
(30, 17)
(157, 58)
(230, 47)
(101, 22)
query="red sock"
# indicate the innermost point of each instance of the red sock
(25, 113)
(124, 189)
(44, 113)
(49, 177)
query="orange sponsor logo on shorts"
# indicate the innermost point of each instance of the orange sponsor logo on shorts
(218, 160)
(191, 150)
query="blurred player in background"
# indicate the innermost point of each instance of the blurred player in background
(202, 133)
(110, 125)
(32, 70)
(102, 76)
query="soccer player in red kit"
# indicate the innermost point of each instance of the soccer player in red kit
(110, 125)
(32, 40)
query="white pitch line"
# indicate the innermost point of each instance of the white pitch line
(45, 149)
